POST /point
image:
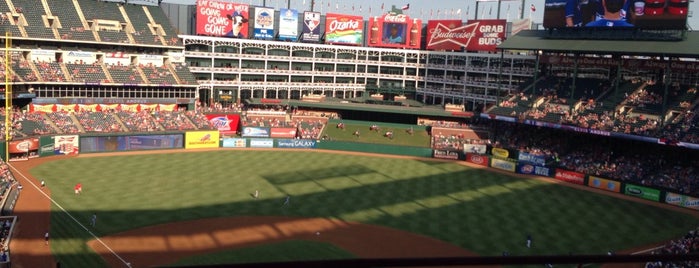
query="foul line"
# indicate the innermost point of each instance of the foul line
(69, 215)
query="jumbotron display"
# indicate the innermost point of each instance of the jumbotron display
(646, 14)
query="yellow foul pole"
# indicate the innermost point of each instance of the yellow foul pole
(8, 94)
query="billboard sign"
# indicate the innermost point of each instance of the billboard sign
(311, 27)
(488, 35)
(227, 124)
(395, 31)
(534, 170)
(289, 24)
(475, 148)
(444, 154)
(531, 158)
(282, 132)
(642, 192)
(448, 34)
(604, 184)
(296, 143)
(570, 176)
(682, 201)
(234, 143)
(503, 164)
(344, 29)
(656, 14)
(259, 132)
(261, 143)
(477, 159)
(218, 18)
(66, 144)
(23, 149)
(201, 139)
(500, 152)
(264, 23)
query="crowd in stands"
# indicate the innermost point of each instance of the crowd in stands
(173, 120)
(63, 121)
(141, 121)
(689, 244)
(630, 161)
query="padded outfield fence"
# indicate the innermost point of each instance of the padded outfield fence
(505, 160)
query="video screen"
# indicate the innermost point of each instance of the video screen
(394, 33)
(646, 14)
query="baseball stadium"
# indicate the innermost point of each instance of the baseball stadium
(148, 133)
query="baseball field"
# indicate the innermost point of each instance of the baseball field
(199, 207)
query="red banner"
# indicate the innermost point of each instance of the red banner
(217, 18)
(489, 34)
(282, 132)
(448, 34)
(570, 176)
(344, 29)
(480, 160)
(394, 31)
(227, 124)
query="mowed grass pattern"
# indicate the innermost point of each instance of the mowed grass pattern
(476, 209)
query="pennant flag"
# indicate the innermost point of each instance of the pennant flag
(490, 12)
(458, 11)
(533, 8)
(405, 7)
(381, 6)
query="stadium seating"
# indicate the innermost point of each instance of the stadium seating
(173, 120)
(99, 121)
(33, 12)
(88, 73)
(141, 121)
(139, 21)
(158, 75)
(64, 122)
(127, 74)
(72, 26)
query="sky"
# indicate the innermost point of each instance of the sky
(427, 9)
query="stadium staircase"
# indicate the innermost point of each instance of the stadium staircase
(129, 27)
(53, 125)
(107, 73)
(65, 71)
(121, 123)
(79, 10)
(35, 71)
(174, 73)
(56, 21)
(143, 75)
(157, 28)
(76, 122)
(16, 18)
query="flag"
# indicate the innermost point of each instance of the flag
(431, 13)
(360, 8)
(533, 8)
(405, 7)
(352, 7)
(458, 11)
(381, 6)
(490, 12)
(468, 8)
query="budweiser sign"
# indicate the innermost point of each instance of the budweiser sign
(449, 34)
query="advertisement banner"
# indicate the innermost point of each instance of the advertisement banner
(500, 152)
(234, 143)
(529, 169)
(79, 57)
(66, 144)
(488, 35)
(289, 24)
(46, 145)
(652, 14)
(311, 27)
(477, 159)
(443, 154)
(201, 139)
(475, 148)
(23, 149)
(264, 23)
(282, 132)
(227, 124)
(296, 143)
(96, 144)
(448, 34)
(503, 164)
(533, 159)
(570, 176)
(261, 143)
(258, 132)
(642, 192)
(604, 184)
(218, 18)
(682, 201)
(344, 29)
(394, 31)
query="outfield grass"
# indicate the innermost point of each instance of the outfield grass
(476, 209)
(278, 252)
(419, 138)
